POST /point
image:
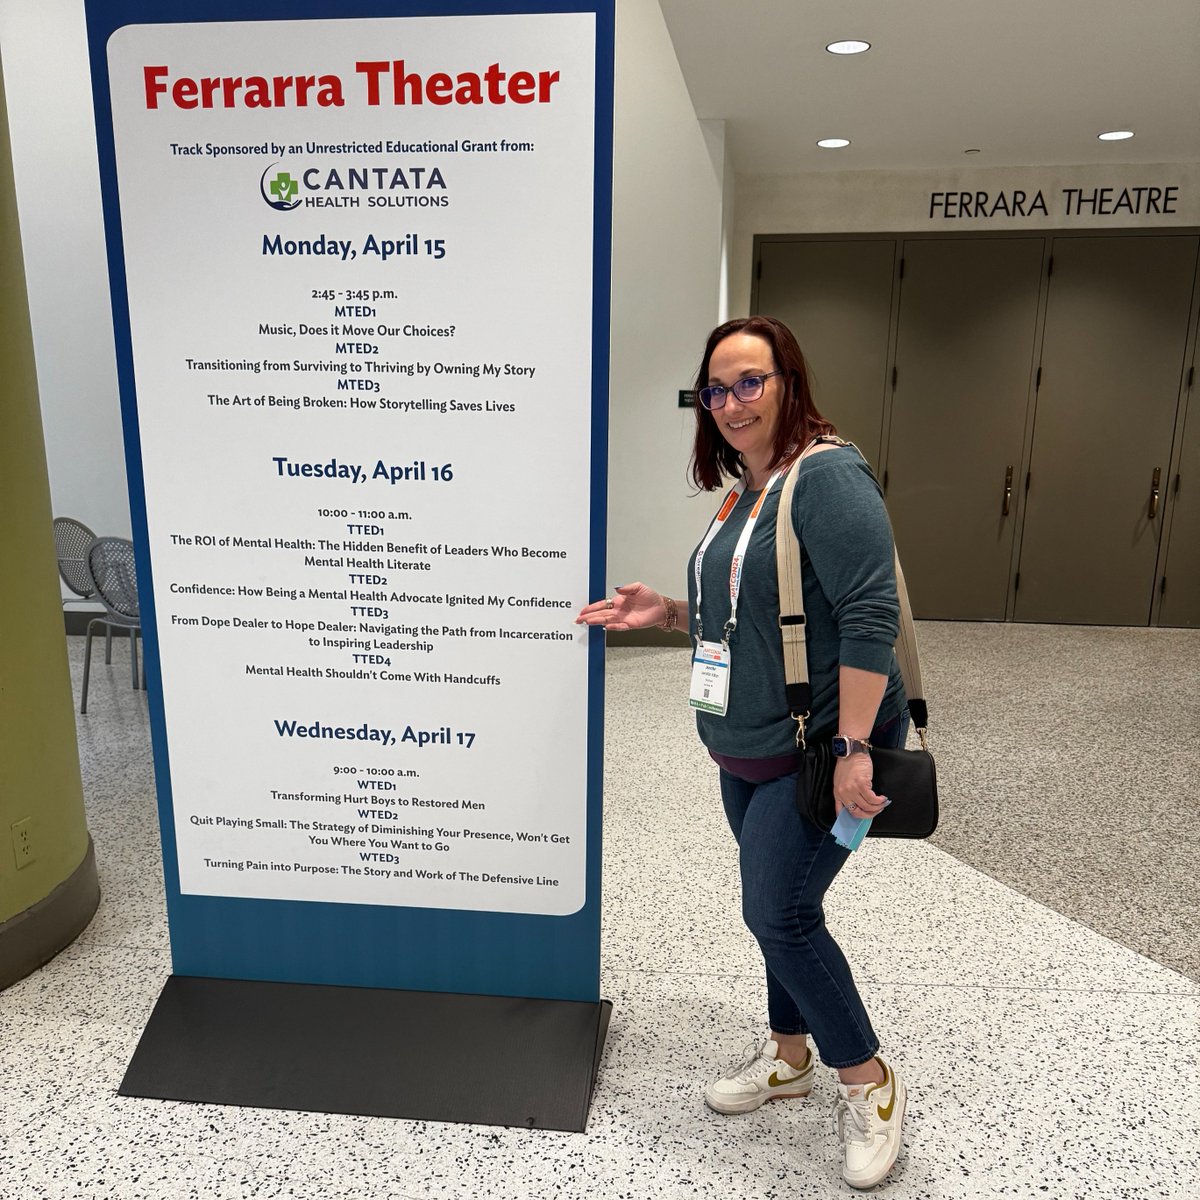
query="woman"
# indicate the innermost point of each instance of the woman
(755, 417)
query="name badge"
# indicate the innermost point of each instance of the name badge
(710, 678)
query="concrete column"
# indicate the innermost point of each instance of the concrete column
(48, 886)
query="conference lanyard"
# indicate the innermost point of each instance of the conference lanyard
(739, 552)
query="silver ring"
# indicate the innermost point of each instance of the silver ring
(609, 602)
(852, 805)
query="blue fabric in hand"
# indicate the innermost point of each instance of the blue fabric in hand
(848, 830)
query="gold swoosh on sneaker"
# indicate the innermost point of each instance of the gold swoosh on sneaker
(775, 1081)
(885, 1114)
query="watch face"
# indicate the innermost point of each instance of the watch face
(841, 747)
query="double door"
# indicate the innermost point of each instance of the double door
(1024, 401)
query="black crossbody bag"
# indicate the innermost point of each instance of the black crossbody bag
(907, 778)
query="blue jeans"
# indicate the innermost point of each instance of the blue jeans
(787, 865)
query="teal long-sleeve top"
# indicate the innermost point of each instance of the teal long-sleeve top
(852, 613)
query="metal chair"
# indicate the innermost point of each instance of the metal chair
(71, 541)
(110, 561)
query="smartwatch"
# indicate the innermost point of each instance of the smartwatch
(844, 746)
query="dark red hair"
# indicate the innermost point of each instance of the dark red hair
(713, 458)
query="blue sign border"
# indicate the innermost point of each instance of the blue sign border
(422, 949)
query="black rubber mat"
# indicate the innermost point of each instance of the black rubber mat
(372, 1052)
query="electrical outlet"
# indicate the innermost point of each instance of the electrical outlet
(22, 840)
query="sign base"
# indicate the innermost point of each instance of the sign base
(372, 1052)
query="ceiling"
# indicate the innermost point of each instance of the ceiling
(1022, 81)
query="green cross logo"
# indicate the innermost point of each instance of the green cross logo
(283, 186)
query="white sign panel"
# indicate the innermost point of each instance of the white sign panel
(359, 267)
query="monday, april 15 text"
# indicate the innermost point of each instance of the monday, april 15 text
(406, 245)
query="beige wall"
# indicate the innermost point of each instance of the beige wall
(899, 202)
(668, 186)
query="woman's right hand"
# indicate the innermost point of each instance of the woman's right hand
(632, 606)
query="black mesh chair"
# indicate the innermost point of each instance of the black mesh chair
(71, 541)
(110, 561)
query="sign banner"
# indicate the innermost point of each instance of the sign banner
(359, 260)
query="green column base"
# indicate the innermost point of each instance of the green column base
(35, 936)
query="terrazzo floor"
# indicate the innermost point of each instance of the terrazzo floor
(1043, 1058)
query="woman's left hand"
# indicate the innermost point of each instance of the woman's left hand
(852, 787)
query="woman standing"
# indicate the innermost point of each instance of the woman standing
(755, 418)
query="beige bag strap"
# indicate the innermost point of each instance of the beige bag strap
(792, 625)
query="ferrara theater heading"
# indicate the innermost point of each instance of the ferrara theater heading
(1071, 202)
(378, 83)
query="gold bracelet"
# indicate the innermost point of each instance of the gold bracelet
(671, 621)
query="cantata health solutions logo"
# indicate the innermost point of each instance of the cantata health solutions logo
(285, 188)
(281, 190)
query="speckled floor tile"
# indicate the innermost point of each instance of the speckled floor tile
(93, 982)
(52, 1063)
(1011, 1090)
(1043, 1059)
(1018, 1107)
(1069, 759)
(667, 823)
(119, 923)
(1051, 1093)
(1028, 1060)
(86, 1163)
(276, 1145)
(954, 923)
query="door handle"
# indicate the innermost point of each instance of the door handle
(1007, 492)
(1154, 492)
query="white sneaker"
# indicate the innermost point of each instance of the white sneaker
(760, 1077)
(869, 1118)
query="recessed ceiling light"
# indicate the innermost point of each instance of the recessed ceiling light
(833, 143)
(1116, 135)
(848, 47)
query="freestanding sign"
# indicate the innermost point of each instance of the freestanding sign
(359, 261)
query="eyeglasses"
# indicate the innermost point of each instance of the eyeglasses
(746, 390)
